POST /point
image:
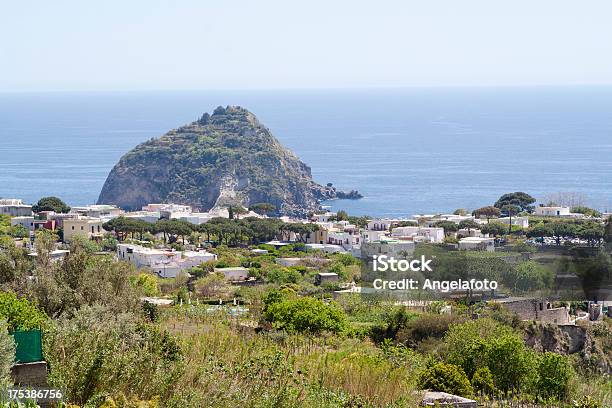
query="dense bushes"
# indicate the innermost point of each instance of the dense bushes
(19, 313)
(446, 378)
(554, 375)
(304, 315)
(98, 351)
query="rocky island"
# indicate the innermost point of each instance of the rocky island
(227, 158)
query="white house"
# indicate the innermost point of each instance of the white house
(522, 222)
(147, 216)
(193, 218)
(323, 217)
(552, 211)
(55, 255)
(327, 248)
(26, 222)
(382, 224)
(419, 234)
(371, 235)
(167, 264)
(477, 244)
(14, 207)
(103, 211)
(471, 232)
(390, 247)
(234, 273)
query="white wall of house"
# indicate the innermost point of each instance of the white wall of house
(25, 222)
(477, 244)
(552, 211)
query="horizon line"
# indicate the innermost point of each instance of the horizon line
(306, 89)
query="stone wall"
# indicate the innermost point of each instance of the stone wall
(539, 310)
(30, 374)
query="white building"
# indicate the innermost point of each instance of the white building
(477, 244)
(26, 222)
(382, 224)
(147, 216)
(419, 234)
(167, 264)
(390, 247)
(14, 207)
(522, 222)
(55, 255)
(234, 273)
(429, 220)
(371, 235)
(471, 232)
(552, 211)
(327, 248)
(178, 208)
(323, 217)
(103, 211)
(193, 218)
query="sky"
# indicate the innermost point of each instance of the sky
(267, 44)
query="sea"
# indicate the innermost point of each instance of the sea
(408, 151)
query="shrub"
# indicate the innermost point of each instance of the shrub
(554, 375)
(423, 327)
(19, 313)
(485, 343)
(147, 283)
(305, 315)
(446, 378)
(100, 352)
(7, 355)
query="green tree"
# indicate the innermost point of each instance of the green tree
(469, 225)
(591, 232)
(263, 208)
(19, 231)
(342, 215)
(563, 230)
(510, 210)
(519, 199)
(51, 204)
(448, 226)
(495, 229)
(446, 378)
(590, 212)
(540, 231)
(487, 212)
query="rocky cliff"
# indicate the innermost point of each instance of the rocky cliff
(227, 158)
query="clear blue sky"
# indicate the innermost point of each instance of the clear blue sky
(239, 44)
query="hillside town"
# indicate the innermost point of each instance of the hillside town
(231, 259)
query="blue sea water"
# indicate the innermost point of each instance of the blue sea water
(408, 151)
